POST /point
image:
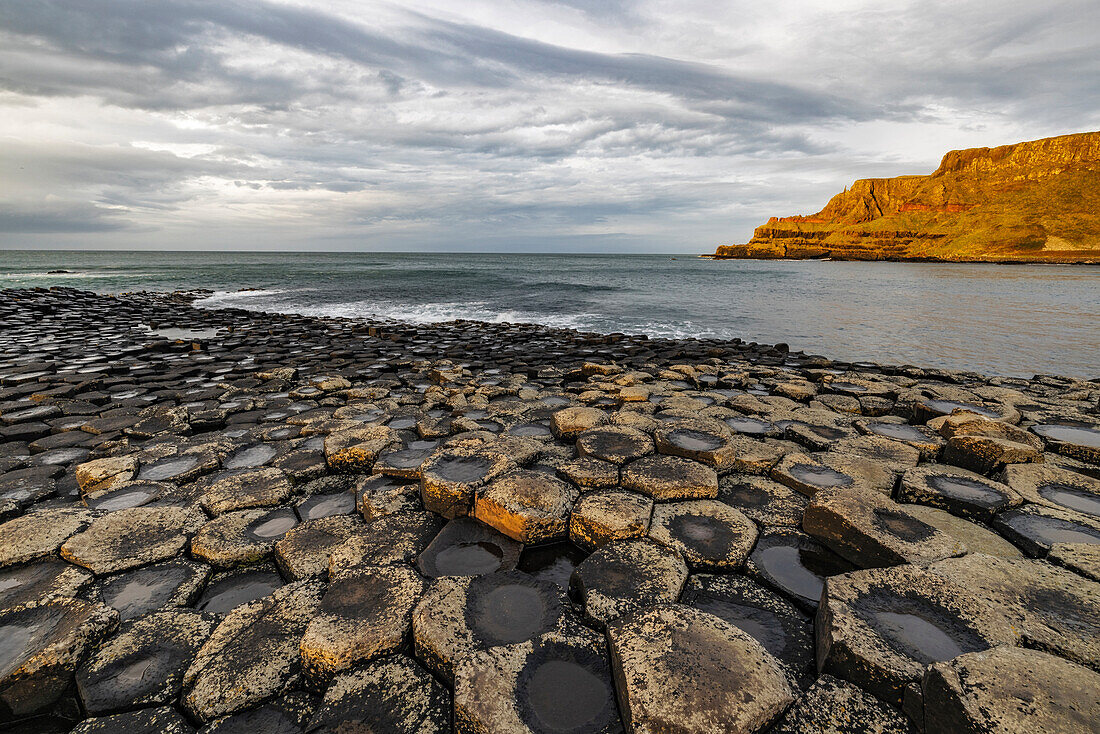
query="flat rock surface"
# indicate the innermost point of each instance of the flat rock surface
(724, 679)
(252, 654)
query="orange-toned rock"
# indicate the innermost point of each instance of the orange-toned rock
(1032, 201)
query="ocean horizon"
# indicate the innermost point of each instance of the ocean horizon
(1008, 320)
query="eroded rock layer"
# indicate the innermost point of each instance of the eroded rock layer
(1034, 201)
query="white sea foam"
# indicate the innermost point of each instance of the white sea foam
(414, 313)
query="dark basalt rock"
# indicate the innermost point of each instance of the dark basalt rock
(625, 575)
(722, 676)
(558, 683)
(870, 530)
(795, 564)
(708, 534)
(144, 663)
(834, 706)
(170, 584)
(881, 628)
(670, 478)
(283, 416)
(460, 615)
(40, 581)
(466, 547)
(958, 491)
(130, 538)
(779, 627)
(305, 549)
(164, 720)
(396, 538)
(553, 562)
(393, 694)
(1010, 690)
(231, 589)
(364, 614)
(252, 655)
(605, 515)
(1035, 529)
(614, 444)
(40, 647)
(1054, 609)
(287, 714)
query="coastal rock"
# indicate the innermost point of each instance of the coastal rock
(462, 614)
(670, 478)
(396, 538)
(958, 491)
(393, 695)
(779, 627)
(978, 205)
(163, 720)
(870, 530)
(880, 628)
(144, 663)
(1010, 690)
(606, 515)
(615, 444)
(834, 706)
(708, 534)
(252, 654)
(465, 547)
(680, 669)
(625, 575)
(39, 534)
(1054, 609)
(527, 506)
(130, 538)
(795, 564)
(364, 614)
(557, 682)
(43, 644)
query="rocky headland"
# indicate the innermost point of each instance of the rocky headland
(229, 521)
(1037, 201)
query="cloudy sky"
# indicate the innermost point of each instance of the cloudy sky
(517, 125)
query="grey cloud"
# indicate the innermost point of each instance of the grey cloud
(67, 217)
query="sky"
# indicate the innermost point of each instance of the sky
(522, 125)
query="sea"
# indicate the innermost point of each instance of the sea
(1007, 320)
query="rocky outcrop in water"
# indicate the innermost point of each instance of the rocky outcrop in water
(1037, 201)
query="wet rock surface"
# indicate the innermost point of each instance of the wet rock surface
(282, 523)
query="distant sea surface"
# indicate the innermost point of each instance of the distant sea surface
(1011, 320)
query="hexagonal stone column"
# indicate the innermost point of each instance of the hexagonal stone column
(553, 683)
(670, 478)
(253, 654)
(461, 614)
(450, 477)
(871, 530)
(1011, 690)
(130, 538)
(625, 575)
(834, 706)
(144, 664)
(708, 534)
(1054, 609)
(393, 695)
(680, 669)
(364, 614)
(528, 506)
(39, 534)
(880, 628)
(614, 444)
(613, 514)
(42, 645)
(466, 547)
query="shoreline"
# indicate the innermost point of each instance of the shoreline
(296, 519)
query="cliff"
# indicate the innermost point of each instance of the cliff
(1036, 201)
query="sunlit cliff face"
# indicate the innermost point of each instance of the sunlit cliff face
(488, 125)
